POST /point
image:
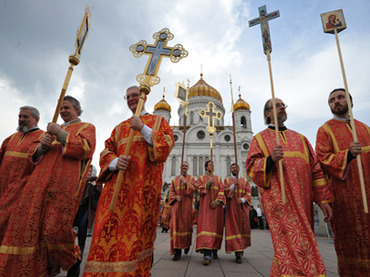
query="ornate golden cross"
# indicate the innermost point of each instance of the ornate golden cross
(156, 51)
(211, 113)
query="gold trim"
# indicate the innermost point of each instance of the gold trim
(205, 233)
(15, 250)
(181, 234)
(124, 266)
(16, 154)
(319, 182)
(238, 236)
(331, 134)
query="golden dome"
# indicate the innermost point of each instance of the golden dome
(162, 106)
(241, 104)
(201, 88)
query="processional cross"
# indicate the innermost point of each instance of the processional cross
(211, 113)
(265, 29)
(267, 48)
(149, 78)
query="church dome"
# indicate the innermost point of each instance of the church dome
(162, 106)
(201, 88)
(241, 104)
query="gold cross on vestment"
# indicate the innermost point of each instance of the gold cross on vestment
(211, 113)
(156, 51)
(265, 29)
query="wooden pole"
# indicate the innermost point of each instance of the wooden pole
(352, 122)
(73, 60)
(280, 164)
(179, 208)
(237, 194)
(211, 145)
(127, 152)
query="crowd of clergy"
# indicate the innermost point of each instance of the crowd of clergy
(43, 176)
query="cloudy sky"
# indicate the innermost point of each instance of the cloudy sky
(37, 36)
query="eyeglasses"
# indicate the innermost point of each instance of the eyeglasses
(278, 105)
(134, 95)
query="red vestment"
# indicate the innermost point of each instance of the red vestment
(351, 225)
(237, 225)
(16, 163)
(182, 212)
(16, 167)
(165, 214)
(123, 239)
(291, 225)
(210, 224)
(39, 236)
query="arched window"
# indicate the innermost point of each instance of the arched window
(243, 122)
(201, 166)
(173, 166)
(195, 166)
(191, 118)
(228, 163)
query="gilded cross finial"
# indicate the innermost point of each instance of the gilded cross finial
(211, 113)
(156, 51)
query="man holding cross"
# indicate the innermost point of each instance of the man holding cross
(337, 153)
(291, 224)
(39, 240)
(123, 239)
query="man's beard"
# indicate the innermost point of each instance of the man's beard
(22, 128)
(342, 110)
(282, 118)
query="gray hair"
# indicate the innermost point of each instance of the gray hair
(266, 108)
(75, 103)
(34, 112)
(130, 87)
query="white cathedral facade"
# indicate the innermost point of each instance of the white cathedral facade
(197, 140)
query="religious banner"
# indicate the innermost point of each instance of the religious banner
(74, 59)
(333, 20)
(181, 93)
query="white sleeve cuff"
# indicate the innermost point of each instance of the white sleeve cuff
(113, 165)
(243, 200)
(147, 134)
(232, 187)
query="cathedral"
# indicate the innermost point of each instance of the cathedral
(197, 139)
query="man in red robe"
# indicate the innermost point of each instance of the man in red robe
(15, 154)
(291, 224)
(181, 199)
(337, 153)
(210, 225)
(123, 239)
(16, 163)
(39, 239)
(237, 225)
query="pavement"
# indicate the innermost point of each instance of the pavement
(257, 259)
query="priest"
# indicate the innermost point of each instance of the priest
(291, 224)
(210, 223)
(39, 240)
(337, 153)
(181, 198)
(123, 239)
(237, 225)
